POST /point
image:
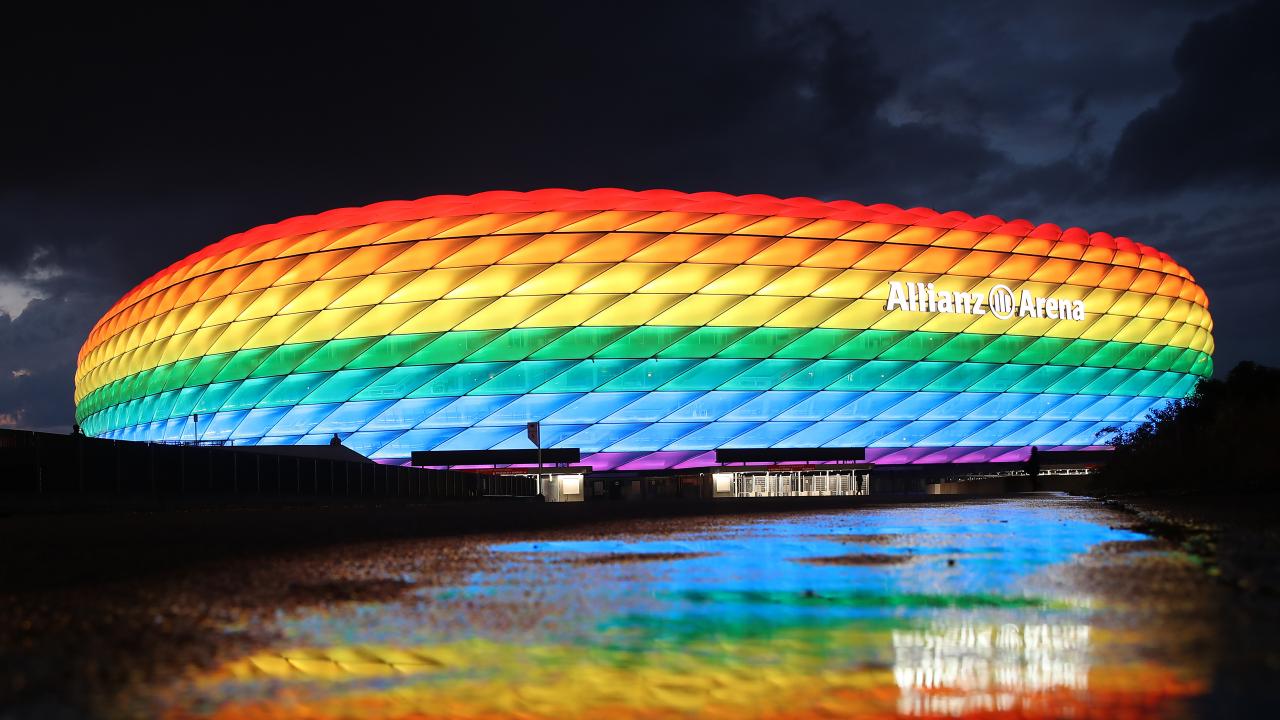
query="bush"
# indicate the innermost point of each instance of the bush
(1221, 437)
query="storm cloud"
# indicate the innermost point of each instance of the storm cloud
(137, 136)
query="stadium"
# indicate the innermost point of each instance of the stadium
(650, 329)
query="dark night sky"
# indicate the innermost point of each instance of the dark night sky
(131, 138)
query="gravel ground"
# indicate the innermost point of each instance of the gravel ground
(1235, 542)
(1238, 535)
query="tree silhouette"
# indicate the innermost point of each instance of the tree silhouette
(1218, 438)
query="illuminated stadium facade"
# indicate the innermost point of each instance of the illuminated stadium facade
(649, 329)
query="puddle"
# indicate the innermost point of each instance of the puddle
(984, 609)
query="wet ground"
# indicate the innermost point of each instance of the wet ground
(1040, 606)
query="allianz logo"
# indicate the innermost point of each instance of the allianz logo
(1002, 302)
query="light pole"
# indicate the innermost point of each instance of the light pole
(534, 430)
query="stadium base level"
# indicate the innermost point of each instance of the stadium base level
(773, 473)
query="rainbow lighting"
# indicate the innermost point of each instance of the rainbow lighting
(648, 329)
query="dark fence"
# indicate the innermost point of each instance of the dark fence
(39, 464)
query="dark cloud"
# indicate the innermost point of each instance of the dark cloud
(39, 359)
(462, 95)
(1220, 124)
(1232, 248)
(138, 135)
(290, 109)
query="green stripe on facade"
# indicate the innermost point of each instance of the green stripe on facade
(639, 343)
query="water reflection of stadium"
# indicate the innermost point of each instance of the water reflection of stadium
(968, 668)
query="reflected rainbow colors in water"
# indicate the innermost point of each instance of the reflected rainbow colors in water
(943, 611)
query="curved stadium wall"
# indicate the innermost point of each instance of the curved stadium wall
(649, 329)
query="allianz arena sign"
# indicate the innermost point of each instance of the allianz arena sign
(1002, 303)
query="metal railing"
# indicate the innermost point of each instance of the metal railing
(969, 477)
(798, 483)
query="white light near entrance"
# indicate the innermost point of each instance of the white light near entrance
(570, 484)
